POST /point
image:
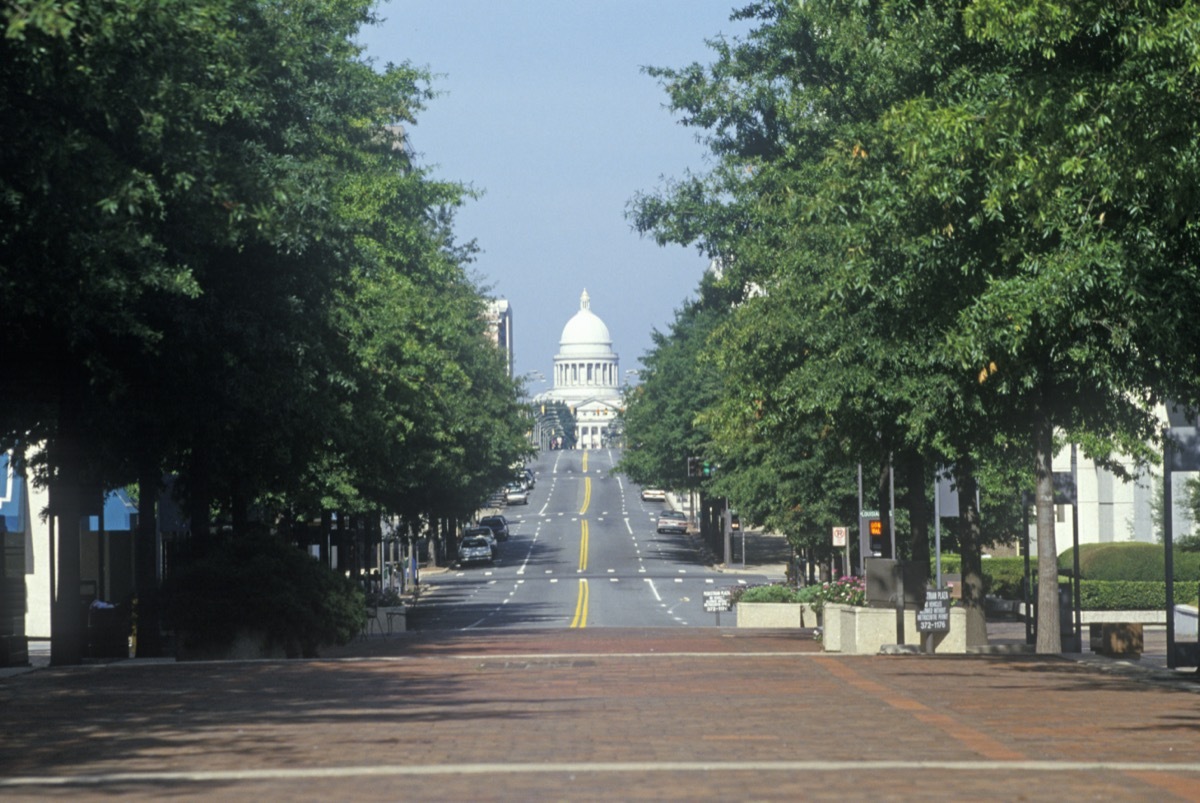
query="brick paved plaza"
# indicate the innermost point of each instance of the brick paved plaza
(681, 714)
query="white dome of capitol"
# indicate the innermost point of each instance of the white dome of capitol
(585, 334)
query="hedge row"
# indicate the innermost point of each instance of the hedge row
(1122, 595)
(1129, 561)
(1001, 576)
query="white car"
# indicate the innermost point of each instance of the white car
(516, 495)
(654, 495)
(474, 549)
(672, 521)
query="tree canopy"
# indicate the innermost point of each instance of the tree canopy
(218, 259)
(968, 226)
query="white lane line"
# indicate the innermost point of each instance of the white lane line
(627, 527)
(653, 590)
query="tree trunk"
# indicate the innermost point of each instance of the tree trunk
(146, 579)
(918, 509)
(199, 498)
(239, 512)
(67, 622)
(1049, 630)
(972, 554)
(326, 537)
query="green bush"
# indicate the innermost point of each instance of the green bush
(1132, 561)
(951, 564)
(1002, 577)
(258, 583)
(774, 593)
(1122, 595)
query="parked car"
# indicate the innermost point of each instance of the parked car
(672, 521)
(735, 522)
(497, 524)
(530, 481)
(516, 495)
(485, 533)
(654, 495)
(475, 549)
(497, 499)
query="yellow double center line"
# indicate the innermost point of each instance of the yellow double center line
(587, 495)
(581, 605)
(581, 602)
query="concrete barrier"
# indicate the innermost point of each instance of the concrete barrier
(775, 614)
(850, 629)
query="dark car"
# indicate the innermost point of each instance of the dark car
(672, 521)
(497, 524)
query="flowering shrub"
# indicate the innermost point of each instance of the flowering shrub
(843, 591)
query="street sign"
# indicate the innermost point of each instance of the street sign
(935, 616)
(717, 601)
(839, 536)
(868, 514)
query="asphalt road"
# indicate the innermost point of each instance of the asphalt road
(583, 553)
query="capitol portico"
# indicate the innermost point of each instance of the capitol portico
(587, 376)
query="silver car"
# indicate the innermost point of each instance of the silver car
(474, 549)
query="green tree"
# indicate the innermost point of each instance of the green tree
(951, 199)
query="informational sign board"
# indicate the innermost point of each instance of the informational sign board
(935, 616)
(717, 601)
(839, 536)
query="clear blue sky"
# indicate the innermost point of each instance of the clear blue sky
(545, 109)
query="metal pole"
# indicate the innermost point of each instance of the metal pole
(862, 565)
(1169, 550)
(892, 508)
(1025, 582)
(937, 527)
(1075, 544)
(725, 533)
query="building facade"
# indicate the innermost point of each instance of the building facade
(500, 329)
(587, 376)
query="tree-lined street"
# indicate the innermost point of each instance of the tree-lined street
(583, 553)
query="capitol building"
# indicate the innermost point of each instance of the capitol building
(587, 376)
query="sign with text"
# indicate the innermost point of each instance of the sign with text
(717, 601)
(839, 536)
(935, 616)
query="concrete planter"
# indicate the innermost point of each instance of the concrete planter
(775, 614)
(850, 629)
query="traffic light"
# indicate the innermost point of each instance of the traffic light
(875, 530)
(708, 468)
(693, 466)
